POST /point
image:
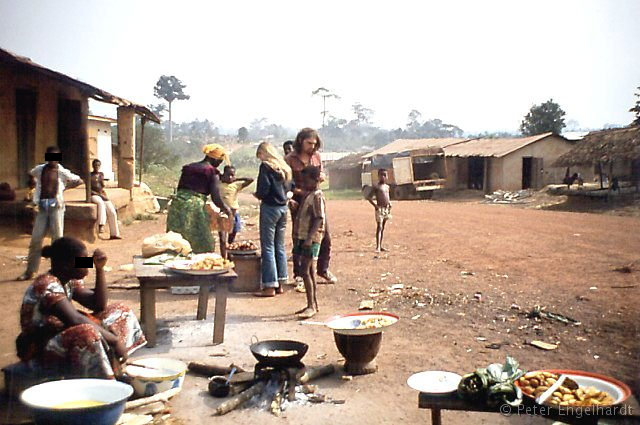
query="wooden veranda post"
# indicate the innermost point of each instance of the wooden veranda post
(87, 152)
(143, 121)
(600, 174)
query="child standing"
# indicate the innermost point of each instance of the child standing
(230, 186)
(382, 206)
(310, 227)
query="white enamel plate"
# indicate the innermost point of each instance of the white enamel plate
(434, 382)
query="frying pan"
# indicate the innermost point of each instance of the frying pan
(259, 349)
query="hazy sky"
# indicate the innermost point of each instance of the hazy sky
(477, 64)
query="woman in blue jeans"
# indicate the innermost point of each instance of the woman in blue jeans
(274, 183)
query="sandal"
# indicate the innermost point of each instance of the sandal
(329, 278)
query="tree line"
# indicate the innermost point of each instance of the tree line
(171, 143)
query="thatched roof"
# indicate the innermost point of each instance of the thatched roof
(617, 144)
(347, 162)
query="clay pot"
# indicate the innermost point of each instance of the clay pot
(359, 352)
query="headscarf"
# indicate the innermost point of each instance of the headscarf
(272, 159)
(216, 151)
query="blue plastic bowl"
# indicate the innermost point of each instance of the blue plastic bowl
(42, 401)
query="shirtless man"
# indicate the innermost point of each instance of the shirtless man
(382, 205)
(51, 180)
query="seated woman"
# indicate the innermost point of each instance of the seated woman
(106, 209)
(60, 339)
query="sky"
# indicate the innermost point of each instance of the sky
(477, 64)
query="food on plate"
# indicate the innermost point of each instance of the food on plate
(282, 353)
(568, 394)
(375, 322)
(243, 246)
(211, 261)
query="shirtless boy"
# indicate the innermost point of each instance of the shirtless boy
(382, 205)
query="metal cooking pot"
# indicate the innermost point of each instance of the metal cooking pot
(260, 349)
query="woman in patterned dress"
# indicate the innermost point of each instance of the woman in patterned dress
(187, 213)
(61, 339)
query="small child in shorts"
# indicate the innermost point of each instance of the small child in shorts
(230, 186)
(310, 227)
(382, 206)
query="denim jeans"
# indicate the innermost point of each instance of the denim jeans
(50, 217)
(273, 223)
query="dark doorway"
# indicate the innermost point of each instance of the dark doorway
(26, 133)
(476, 172)
(527, 169)
(71, 136)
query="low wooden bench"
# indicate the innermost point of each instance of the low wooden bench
(627, 412)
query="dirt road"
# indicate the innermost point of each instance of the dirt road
(469, 273)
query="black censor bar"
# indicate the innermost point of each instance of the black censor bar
(53, 156)
(84, 262)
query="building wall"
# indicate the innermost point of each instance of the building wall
(345, 179)
(48, 92)
(509, 175)
(496, 175)
(97, 128)
(452, 173)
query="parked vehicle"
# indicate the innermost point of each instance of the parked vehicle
(412, 175)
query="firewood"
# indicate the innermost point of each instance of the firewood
(132, 419)
(236, 401)
(163, 396)
(150, 409)
(316, 372)
(212, 370)
(276, 404)
(238, 388)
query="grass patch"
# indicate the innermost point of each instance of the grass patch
(162, 180)
(343, 194)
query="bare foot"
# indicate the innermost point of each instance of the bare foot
(279, 290)
(307, 313)
(384, 249)
(266, 292)
(25, 276)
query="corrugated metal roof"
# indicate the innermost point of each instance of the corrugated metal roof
(333, 156)
(89, 90)
(404, 145)
(103, 119)
(492, 147)
(351, 161)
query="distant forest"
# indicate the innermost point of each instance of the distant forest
(338, 134)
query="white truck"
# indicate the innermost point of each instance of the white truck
(412, 175)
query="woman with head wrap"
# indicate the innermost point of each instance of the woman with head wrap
(274, 182)
(187, 214)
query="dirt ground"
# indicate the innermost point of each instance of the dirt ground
(469, 271)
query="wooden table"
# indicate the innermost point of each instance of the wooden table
(154, 277)
(628, 412)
